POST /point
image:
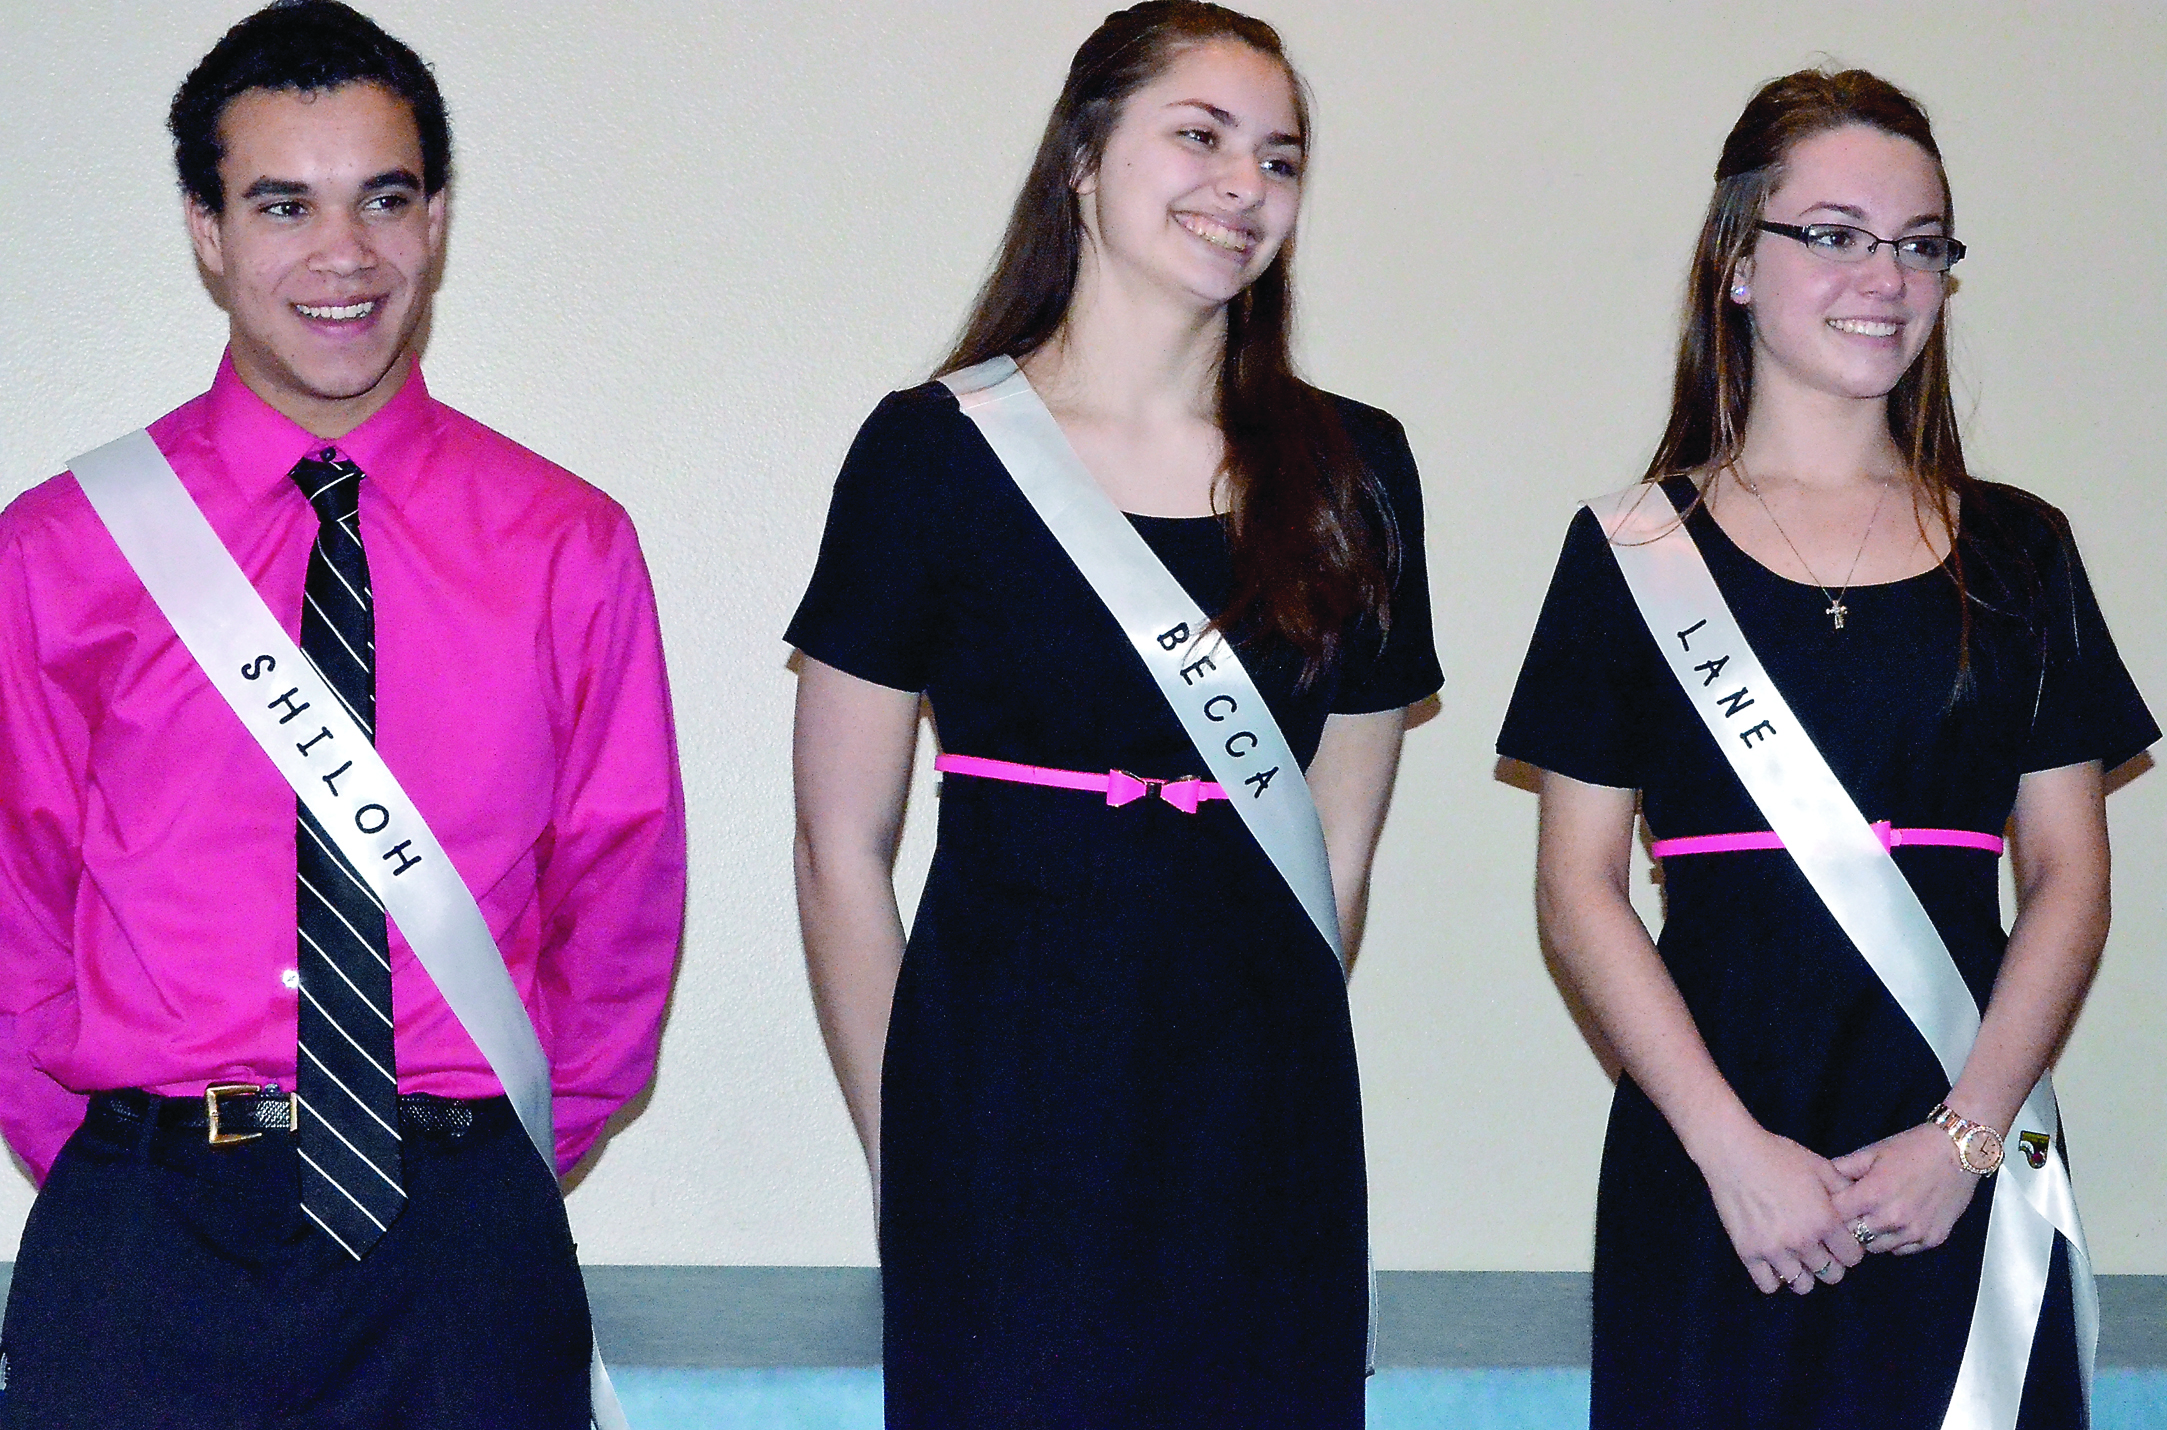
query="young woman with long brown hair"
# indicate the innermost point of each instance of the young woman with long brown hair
(1107, 1088)
(1784, 1118)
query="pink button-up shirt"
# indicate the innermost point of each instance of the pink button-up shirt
(146, 854)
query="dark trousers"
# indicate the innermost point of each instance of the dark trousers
(163, 1282)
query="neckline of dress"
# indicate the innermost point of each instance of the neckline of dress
(1147, 516)
(1700, 511)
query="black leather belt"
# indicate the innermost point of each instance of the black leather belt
(231, 1112)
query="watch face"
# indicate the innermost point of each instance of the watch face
(1982, 1148)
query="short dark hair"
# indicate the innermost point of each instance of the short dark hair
(302, 45)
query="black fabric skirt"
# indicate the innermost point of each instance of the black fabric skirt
(1121, 1138)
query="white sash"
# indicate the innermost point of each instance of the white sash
(300, 723)
(1196, 667)
(1856, 877)
(1198, 672)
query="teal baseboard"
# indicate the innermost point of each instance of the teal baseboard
(1552, 1398)
(1529, 1398)
(829, 1316)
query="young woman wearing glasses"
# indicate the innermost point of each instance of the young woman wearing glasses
(1108, 1090)
(1794, 1205)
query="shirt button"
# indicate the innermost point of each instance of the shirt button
(291, 978)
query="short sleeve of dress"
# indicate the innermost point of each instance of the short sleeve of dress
(1402, 668)
(1579, 708)
(869, 609)
(2089, 708)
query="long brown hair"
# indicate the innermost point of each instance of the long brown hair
(1312, 537)
(1713, 386)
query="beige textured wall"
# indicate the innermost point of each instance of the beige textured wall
(694, 243)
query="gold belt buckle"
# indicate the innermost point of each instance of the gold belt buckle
(218, 1092)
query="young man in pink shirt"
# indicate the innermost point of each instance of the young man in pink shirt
(169, 925)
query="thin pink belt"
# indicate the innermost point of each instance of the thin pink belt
(1890, 839)
(1119, 786)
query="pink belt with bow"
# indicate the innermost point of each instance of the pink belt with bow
(1119, 786)
(1890, 839)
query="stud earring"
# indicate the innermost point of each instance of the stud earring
(1739, 292)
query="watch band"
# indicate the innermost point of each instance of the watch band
(1982, 1159)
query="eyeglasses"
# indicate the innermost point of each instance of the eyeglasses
(1841, 243)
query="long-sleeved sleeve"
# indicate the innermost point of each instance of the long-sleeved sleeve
(43, 761)
(612, 885)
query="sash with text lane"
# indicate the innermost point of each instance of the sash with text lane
(1852, 871)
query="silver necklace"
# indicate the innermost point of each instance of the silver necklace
(1837, 610)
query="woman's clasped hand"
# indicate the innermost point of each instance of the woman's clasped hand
(1777, 1200)
(1905, 1191)
(1798, 1219)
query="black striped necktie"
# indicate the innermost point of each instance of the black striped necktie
(347, 1081)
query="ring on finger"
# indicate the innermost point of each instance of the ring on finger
(1792, 1279)
(1863, 1233)
(1822, 1274)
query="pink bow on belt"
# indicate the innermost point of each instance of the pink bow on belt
(1183, 794)
(1120, 786)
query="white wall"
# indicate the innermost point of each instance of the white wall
(694, 243)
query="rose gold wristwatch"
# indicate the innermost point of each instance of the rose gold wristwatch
(1978, 1146)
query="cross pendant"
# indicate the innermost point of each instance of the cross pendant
(1836, 612)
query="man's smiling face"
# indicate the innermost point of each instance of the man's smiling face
(326, 249)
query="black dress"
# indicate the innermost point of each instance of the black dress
(1121, 1141)
(1797, 1022)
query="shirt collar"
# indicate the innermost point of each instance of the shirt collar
(261, 444)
